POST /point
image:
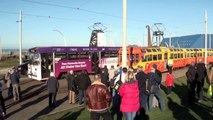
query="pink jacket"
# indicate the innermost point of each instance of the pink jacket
(130, 97)
(169, 79)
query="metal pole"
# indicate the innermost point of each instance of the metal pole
(124, 52)
(20, 38)
(170, 40)
(0, 48)
(210, 40)
(206, 32)
(65, 41)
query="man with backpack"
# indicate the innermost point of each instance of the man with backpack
(155, 78)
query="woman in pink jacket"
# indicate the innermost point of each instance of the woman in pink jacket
(130, 96)
(169, 82)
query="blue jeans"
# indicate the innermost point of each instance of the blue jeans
(160, 99)
(10, 91)
(143, 101)
(130, 115)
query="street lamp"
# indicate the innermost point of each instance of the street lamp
(65, 41)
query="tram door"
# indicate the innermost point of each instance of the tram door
(165, 61)
(46, 61)
(95, 56)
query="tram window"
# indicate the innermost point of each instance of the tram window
(171, 49)
(181, 55)
(154, 57)
(195, 54)
(120, 58)
(136, 57)
(174, 49)
(144, 59)
(192, 55)
(149, 50)
(83, 55)
(171, 56)
(188, 55)
(166, 56)
(149, 57)
(154, 50)
(72, 55)
(159, 56)
(178, 55)
(158, 50)
(132, 57)
(175, 56)
(198, 55)
(143, 51)
(61, 55)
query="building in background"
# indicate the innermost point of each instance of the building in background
(189, 41)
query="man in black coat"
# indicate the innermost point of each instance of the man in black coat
(52, 87)
(158, 72)
(201, 70)
(142, 77)
(191, 75)
(83, 82)
(105, 76)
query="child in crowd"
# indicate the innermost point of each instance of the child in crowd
(169, 82)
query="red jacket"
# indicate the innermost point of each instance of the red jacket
(169, 79)
(130, 97)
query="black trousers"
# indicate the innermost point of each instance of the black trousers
(191, 92)
(52, 99)
(96, 115)
(169, 90)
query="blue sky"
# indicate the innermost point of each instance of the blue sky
(179, 17)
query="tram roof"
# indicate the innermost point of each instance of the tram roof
(59, 49)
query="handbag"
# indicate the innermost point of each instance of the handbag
(209, 92)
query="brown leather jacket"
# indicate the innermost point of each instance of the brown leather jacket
(98, 97)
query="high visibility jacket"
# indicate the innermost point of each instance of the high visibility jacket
(170, 62)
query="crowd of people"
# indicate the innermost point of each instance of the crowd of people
(196, 76)
(126, 91)
(12, 80)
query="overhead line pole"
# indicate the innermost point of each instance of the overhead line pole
(210, 41)
(20, 37)
(206, 32)
(124, 52)
(0, 48)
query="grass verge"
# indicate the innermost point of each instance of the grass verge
(9, 63)
(177, 107)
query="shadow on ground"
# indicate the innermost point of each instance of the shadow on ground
(184, 111)
(72, 115)
(47, 109)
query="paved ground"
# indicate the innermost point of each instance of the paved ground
(35, 99)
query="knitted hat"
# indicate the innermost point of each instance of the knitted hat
(155, 66)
